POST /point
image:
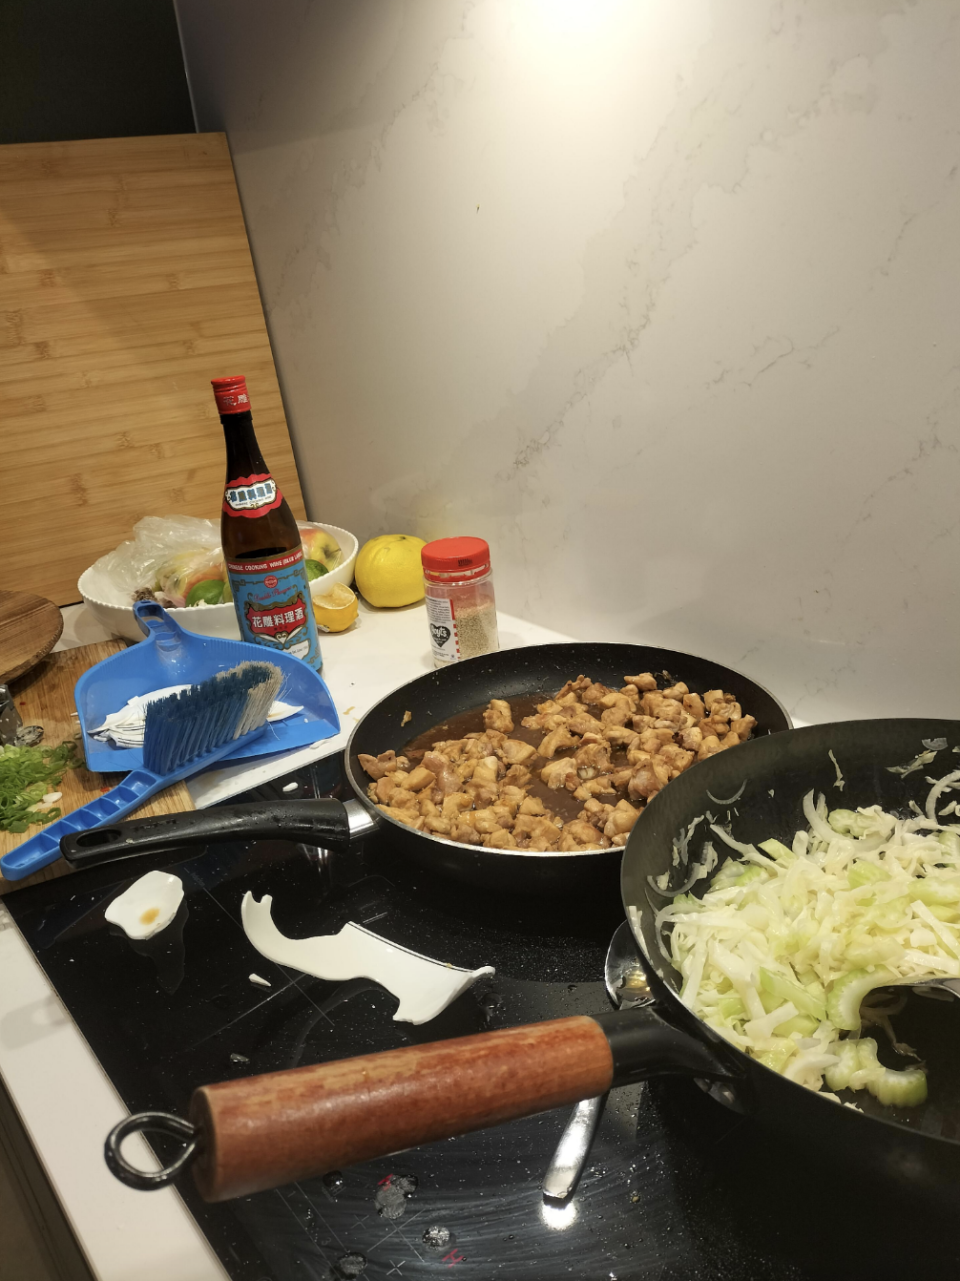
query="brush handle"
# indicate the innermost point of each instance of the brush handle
(313, 822)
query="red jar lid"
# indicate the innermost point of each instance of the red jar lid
(447, 555)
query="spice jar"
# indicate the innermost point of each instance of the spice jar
(461, 608)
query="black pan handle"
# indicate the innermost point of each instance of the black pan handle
(326, 823)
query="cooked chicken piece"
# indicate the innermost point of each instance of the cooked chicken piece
(620, 735)
(651, 740)
(409, 817)
(676, 757)
(648, 779)
(536, 828)
(692, 738)
(722, 705)
(550, 705)
(694, 705)
(583, 723)
(602, 786)
(640, 723)
(594, 693)
(572, 707)
(500, 840)
(593, 755)
(615, 716)
(644, 681)
(454, 803)
(620, 819)
(620, 838)
(517, 776)
(420, 778)
(465, 834)
(448, 780)
(555, 742)
(383, 788)
(616, 699)
(511, 798)
(439, 826)
(714, 725)
(621, 777)
(573, 687)
(743, 727)
(498, 716)
(400, 798)
(588, 836)
(487, 820)
(669, 713)
(514, 752)
(377, 766)
(546, 721)
(532, 805)
(482, 794)
(595, 812)
(678, 691)
(730, 740)
(427, 807)
(709, 747)
(632, 693)
(557, 773)
(640, 756)
(488, 770)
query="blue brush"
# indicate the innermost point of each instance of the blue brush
(183, 734)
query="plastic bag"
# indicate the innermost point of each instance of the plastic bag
(167, 558)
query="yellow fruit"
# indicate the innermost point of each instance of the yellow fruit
(389, 573)
(336, 610)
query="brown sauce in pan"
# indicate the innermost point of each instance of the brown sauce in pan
(558, 800)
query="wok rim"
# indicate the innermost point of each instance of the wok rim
(574, 858)
(665, 993)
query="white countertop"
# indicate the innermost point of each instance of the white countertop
(65, 1101)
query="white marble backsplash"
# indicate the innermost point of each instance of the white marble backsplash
(661, 299)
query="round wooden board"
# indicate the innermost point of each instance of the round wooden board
(30, 626)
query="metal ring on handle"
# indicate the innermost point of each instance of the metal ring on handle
(139, 1123)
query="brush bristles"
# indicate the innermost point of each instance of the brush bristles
(198, 720)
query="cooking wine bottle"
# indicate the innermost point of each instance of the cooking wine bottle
(261, 541)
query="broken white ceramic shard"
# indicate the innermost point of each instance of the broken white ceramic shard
(147, 906)
(424, 987)
(259, 981)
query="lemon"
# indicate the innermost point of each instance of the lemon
(335, 610)
(389, 573)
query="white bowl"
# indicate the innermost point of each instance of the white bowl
(117, 615)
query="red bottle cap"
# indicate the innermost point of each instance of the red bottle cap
(231, 395)
(470, 556)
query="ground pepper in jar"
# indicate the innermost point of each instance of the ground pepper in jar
(461, 609)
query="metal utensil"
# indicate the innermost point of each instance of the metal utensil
(626, 987)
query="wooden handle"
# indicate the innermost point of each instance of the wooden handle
(265, 1131)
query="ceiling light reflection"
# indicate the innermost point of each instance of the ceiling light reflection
(558, 1216)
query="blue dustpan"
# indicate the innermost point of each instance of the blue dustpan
(172, 656)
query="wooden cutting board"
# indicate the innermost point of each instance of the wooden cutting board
(29, 628)
(44, 697)
(126, 284)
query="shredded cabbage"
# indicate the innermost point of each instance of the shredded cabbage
(783, 946)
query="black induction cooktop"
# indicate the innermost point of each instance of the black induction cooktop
(677, 1188)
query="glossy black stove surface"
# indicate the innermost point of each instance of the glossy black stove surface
(678, 1188)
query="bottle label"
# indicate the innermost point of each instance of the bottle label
(444, 640)
(272, 600)
(251, 495)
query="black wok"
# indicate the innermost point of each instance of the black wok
(263, 1131)
(431, 700)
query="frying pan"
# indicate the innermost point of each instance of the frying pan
(258, 1133)
(431, 700)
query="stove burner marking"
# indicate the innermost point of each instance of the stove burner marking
(455, 1257)
(396, 1267)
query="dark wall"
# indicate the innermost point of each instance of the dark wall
(90, 69)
